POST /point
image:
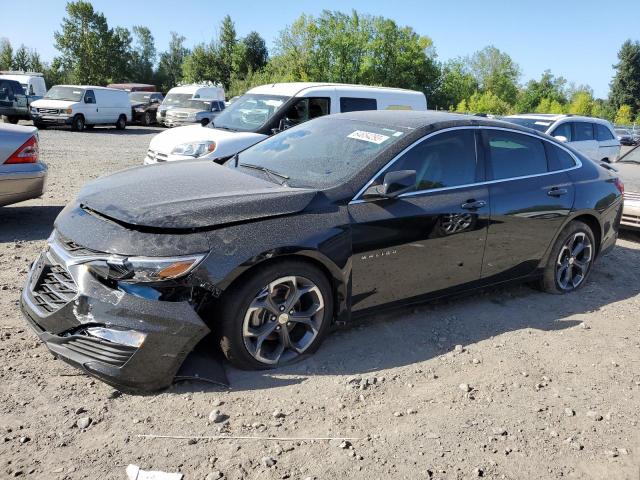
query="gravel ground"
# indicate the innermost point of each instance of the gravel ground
(508, 384)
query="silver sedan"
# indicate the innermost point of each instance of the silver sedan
(22, 174)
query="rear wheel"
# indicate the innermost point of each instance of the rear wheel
(571, 259)
(121, 124)
(147, 119)
(281, 312)
(40, 126)
(12, 119)
(78, 123)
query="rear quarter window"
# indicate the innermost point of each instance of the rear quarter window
(353, 104)
(603, 133)
(558, 158)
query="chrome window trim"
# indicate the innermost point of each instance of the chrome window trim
(356, 200)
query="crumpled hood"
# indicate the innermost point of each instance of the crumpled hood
(189, 195)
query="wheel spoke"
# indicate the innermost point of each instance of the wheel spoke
(578, 249)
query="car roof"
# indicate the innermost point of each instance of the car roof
(416, 119)
(92, 87)
(290, 89)
(554, 117)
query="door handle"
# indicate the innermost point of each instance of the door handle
(473, 204)
(557, 192)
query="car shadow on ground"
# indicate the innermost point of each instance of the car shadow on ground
(27, 222)
(410, 335)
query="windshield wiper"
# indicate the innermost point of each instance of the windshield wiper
(270, 173)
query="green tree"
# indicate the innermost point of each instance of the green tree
(548, 87)
(6, 54)
(21, 59)
(548, 105)
(85, 42)
(226, 48)
(119, 68)
(256, 54)
(496, 72)
(581, 103)
(624, 116)
(487, 102)
(143, 55)
(35, 64)
(456, 84)
(202, 64)
(625, 87)
(169, 72)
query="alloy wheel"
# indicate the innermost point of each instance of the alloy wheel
(283, 320)
(574, 261)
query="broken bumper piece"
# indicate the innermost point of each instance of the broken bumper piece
(127, 339)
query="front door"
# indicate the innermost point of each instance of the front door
(427, 240)
(531, 197)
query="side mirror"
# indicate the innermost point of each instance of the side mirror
(393, 185)
(561, 138)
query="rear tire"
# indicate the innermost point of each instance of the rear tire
(121, 124)
(78, 123)
(242, 315)
(570, 261)
(147, 119)
(40, 126)
(13, 120)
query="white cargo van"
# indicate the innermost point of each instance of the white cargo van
(179, 97)
(32, 83)
(268, 109)
(80, 106)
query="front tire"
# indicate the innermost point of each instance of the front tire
(78, 123)
(147, 119)
(13, 120)
(121, 124)
(275, 315)
(571, 259)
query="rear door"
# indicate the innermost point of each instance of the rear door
(608, 144)
(531, 197)
(428, 240)
(584, 139)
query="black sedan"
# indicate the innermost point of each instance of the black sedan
(339, 216)
(144, 106)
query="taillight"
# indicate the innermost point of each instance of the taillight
(27, 153)
(619, 185)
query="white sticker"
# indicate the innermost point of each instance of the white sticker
(544, 124)
(376, 138)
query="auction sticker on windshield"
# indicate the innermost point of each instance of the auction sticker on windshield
(376, 138)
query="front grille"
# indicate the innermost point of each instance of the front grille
(632, 196)
(54, 289)
(49, 111)
(101, 350)
(157, 156)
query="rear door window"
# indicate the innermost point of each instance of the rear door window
(583, 131)
(353, 104)
(513, 155)
(603, 133)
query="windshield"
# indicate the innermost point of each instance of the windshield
(177, 99)
(535, 123)
(249, 112)
(320, 153)
(72, 94)
(140, 97)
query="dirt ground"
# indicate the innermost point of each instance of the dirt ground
(506, 384)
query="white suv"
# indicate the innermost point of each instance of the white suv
(592, 137)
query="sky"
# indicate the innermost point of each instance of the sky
(576, 39)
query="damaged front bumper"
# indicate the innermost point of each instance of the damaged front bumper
(129, 337)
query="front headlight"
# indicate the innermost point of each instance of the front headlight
(69, 111)
(195, 150)
(145, 269)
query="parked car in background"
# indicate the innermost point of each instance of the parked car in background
(625, 136)
(133, 87)
(22, 174)
(305, 229)
(267, 109)
(17, 91)
(178, 96)
(144, 106)
(194, 111)
(82, 106)
(594, 137)
(629, 170)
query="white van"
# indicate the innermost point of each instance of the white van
(268, 109)
(32, 83)
(179, 97)
(80, 106)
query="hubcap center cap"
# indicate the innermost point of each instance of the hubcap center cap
(283, 318)
(571, 260)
